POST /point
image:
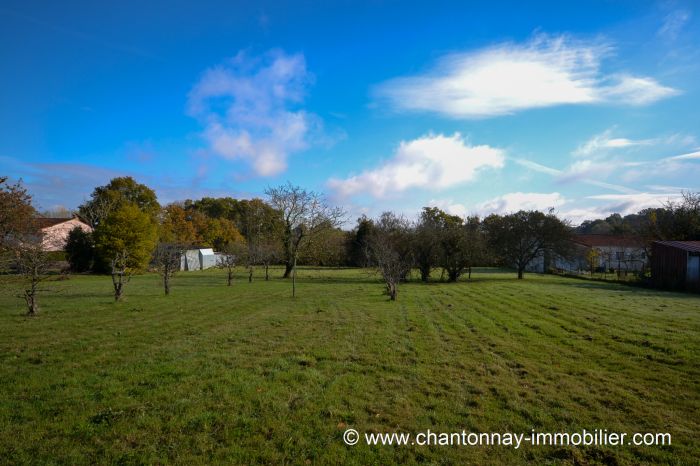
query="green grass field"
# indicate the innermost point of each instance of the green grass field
(246, 374)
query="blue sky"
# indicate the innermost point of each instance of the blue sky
(476, 108)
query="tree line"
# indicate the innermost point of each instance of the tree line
(132, 232)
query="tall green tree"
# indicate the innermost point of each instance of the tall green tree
(125, 240)
(517, 239)
(119, 191)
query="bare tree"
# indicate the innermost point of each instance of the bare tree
(267, 253)
(33, 263)
(166, 259)
(304, 214)
(390, 248)
(231, 256)
(121, 273)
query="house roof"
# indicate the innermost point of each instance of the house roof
(45, 222)
(691, 246)
(609, 240)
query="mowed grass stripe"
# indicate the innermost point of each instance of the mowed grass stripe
(245, 374)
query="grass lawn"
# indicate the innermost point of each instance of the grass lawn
(246, 374)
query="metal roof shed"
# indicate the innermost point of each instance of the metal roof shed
(676, 264)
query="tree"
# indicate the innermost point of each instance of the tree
(80, 250)
(16, 212)
(232, 255)
(166, 259)
(519, 238)
(462, 245)
(126, 239)
(119, 191)
(176, 226)
(358, 245)
(390, 249)
(429, 233)
(677, 220)
(33, 263)
(305, 214)
(263, 253)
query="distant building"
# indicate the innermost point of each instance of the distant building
(601, 253)
(198, 259)
(54, 231)
(676, 265)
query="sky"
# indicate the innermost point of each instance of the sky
(589, 107)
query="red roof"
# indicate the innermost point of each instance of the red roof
(609, 240)
(692, 246)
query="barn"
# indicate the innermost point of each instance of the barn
(676, 265)
(198, 259)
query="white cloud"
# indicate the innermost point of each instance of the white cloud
(690, 156)
(604, 141)
(507, 78)
(250, 109)
(434, 161)
(513, 202)
(449, 206)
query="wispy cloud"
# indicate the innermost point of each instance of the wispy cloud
(250, 107)
(585, 171)
(673, 23)
(434, 161)
(508, 78)
(604, 142)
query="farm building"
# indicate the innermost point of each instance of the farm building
(598, 252)
(676, 264)
(54, 231)
(198, 259)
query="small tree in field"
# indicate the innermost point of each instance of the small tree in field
(390, 248)
(121, 273)
(33, 263)
(166, 259)
(305, 215)
(126, 237)
(232, 255)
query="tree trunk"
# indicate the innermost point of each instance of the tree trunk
(294, 278)
(288, 267)
(250, 275)
(229, 278)
(393, 292)
(166, 284)
(452, 275)
(520, 273)
(470, 273)
(32, 305)
(425, 274)
(117, 291)
(267, 272)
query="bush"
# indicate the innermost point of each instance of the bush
(80, 250)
